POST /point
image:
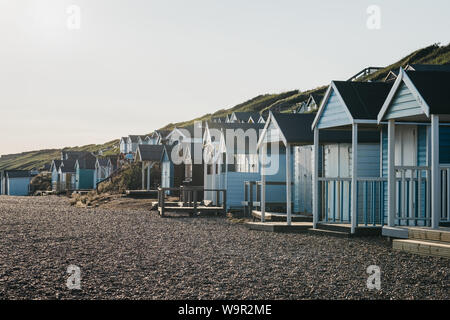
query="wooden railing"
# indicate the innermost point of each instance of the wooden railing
(413, 205)
(445, 192)
(188, 200)
(252, 200)
(335, 200)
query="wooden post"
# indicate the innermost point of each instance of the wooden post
(224, 201)
(195, 201)
(263, 182)
(288, 184)
(354, 176)
(213, 172)
(143, 175)
(250, 201)
(315, 192)
(163, 200)
(148, 178)
(435, 173)
(392, 192)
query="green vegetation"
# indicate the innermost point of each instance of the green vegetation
(283, 102)
(37, 159)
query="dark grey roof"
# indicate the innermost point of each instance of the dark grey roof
(73, 155)
(429, 67)
(296, 128)
(134, 138)
(317, 98)
(235, 126)
(364, 100)
(103, 162)
(68, 166)
(434, 88)
(56, 164)
(87, 162)
(245, 116)
(150, 152)
(18, 174)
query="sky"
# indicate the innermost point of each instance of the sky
(115, 67)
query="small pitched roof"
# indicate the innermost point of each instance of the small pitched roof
(73, 155)
(103, 162)
(87, 162)
(18, 174)
(245, 116)
(134, 138)
(428, 67)
(68, 166)
(147, 152)
(56, 164)
(434, 88)
(317, 98)
(363, 99)
(296, 130)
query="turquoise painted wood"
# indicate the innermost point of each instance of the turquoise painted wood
(334, 113)
(84, 179)
(444, 145)
(18, 186)
(404, 104)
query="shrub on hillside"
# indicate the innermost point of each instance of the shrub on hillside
(41, 182)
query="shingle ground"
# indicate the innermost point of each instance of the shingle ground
(132, 253)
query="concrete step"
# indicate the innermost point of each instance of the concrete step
(330, 233)
(334, 227)
(422, 247)
(360, 231)
(279, 227)
(429, 235)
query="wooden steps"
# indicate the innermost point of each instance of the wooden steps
(142, 194)
(425, 242)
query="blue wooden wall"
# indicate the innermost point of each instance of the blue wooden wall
(18, 186)
(334, 113)
(404, 104)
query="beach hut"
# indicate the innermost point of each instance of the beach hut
(84, 172)
(416, 150)
(244, 117)
(67, 176)
(54, 169)
(351, 107)
(102, 170)
(291, 136)
(132, 143)
(16, 182)
(124, 145)
(148, 155)
(230, 159)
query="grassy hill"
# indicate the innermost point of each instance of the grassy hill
(282, 102)
(36, 159)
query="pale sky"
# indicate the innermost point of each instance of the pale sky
(133, 66)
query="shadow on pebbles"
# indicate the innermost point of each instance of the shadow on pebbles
(131, 253)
